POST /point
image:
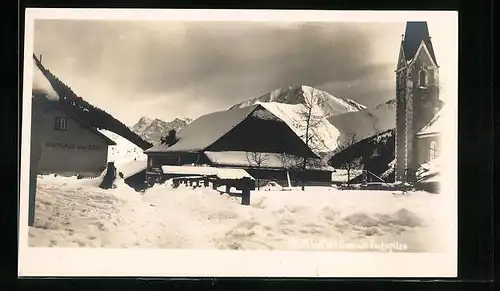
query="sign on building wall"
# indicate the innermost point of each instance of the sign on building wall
(72, 146)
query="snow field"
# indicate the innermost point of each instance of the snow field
(73, 212)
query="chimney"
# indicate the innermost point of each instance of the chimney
(40, 58)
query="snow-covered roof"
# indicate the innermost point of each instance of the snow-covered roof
(429, 172)
(131, 168)
(324, 134)
(249, 159)
(205, 130)
(222, 173)
(340, 175)
(41, 84)
(434, 127)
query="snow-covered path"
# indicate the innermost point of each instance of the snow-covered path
(73, 212)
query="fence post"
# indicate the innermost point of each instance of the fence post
(37, 108)
(245, 197)
(32, 195)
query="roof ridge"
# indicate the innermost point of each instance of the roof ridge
(66, 110)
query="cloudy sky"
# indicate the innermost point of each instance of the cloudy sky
(185, 69)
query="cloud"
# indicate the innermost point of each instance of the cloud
(178, 66)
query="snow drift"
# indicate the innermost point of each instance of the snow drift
(73, 212)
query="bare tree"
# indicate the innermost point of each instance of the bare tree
(289, 162)
(310, 117)
(257, 161)
(349, 164)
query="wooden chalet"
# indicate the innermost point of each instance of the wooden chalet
(250, 138)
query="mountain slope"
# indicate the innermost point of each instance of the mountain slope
(142, 124)
(291, 105)
(153, 130)
(367, 122)
(323, 136)
(330, 104)
(92, 115)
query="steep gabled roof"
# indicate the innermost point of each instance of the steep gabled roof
(42, 86)
(434, 127)
(415, 33)
(206, 130)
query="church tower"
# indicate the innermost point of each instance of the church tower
(417, 95)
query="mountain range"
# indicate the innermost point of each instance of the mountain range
(153, 129)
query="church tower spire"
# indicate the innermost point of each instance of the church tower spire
(417, 95)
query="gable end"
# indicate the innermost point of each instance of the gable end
(423, 47)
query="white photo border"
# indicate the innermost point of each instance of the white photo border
(37, 261)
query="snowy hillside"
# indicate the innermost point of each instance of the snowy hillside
(77, 213)
(323, 135)
(124, 151)
(330, 104)
(153, 130)
(366, 123)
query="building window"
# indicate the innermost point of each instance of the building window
(422, 79)
(433, 151)
(60, 123)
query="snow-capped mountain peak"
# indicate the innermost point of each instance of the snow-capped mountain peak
(315, 96)
(142, 124)
(303, 94)
(153, 129)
